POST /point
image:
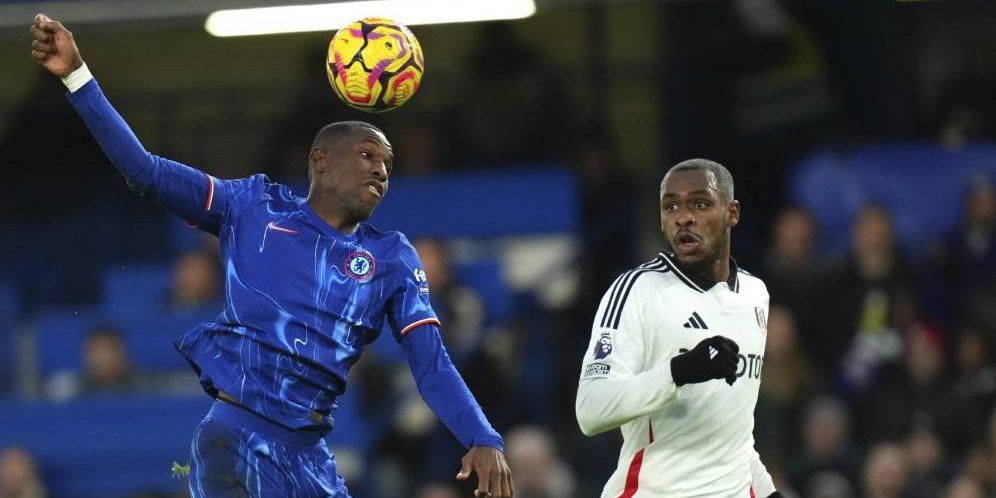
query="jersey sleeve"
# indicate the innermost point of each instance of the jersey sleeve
(444, 390)
(409, 305)
(616, 386)
(200, 199)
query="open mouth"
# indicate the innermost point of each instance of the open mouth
(687, 242)
(376, 188)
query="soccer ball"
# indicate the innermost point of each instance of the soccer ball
(374, 64)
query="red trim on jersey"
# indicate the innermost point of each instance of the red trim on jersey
(633, 476)
(752, 494)
(424, 321)
(210, 196)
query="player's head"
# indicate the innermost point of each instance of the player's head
(697, 211)
(350, 164)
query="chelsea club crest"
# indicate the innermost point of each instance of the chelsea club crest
(360, 266)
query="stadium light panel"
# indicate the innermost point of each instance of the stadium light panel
(332, 16)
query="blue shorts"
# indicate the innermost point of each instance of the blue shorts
(237, 453)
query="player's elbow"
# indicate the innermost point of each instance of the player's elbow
(588, 416)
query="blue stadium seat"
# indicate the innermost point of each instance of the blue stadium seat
(150, 334)
(135, 288)
(921, 184)
(60, 336)
(484, 203)
(110, 446)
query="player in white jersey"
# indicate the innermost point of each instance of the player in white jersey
(676, 351)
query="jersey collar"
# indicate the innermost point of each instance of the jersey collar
(695, 280)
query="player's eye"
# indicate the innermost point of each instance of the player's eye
(365, 154)
(701, 205)
(670, 208)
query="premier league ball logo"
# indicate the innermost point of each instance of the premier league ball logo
(360, 266)
(603, 347)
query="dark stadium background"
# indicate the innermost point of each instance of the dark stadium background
(860, 134)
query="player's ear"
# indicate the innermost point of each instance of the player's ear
(316, 160)
(733, 213)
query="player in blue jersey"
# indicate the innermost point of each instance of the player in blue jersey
(308, 286)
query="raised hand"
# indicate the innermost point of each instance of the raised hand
(494, 479)
(54, 47)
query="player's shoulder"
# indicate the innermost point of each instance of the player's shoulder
(385, 240)
(641, 278)
(256, 188)
(390, 246)
(749, 283)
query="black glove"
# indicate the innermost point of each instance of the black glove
(713, 358)
(776, 494)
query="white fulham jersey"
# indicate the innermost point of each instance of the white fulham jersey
(678, 442)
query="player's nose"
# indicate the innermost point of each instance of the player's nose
(685, 218)
(379, 171)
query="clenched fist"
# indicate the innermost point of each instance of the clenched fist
(54, 47)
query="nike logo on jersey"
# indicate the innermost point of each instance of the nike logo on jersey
(273, 226)
(696, 322)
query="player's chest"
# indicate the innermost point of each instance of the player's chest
(288, 250)
(684, 319)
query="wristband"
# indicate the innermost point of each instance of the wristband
(77, 78)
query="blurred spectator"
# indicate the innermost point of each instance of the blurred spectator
(886, 472)
(964, 487)
(794, 274)
(537, 469)
(792, 266)
(979, 465)
(974, 383)
(912, 392)
(927, 462)
(437, 490)
(789, 378)
(19, 475)
(859, 299)
(826, 444)
(970, 255)
(196, 281)
(828, 484)
(106, 368)
(460, 308)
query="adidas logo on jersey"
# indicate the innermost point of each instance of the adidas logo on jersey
(695, 322)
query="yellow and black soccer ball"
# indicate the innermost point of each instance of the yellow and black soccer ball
(374, 64)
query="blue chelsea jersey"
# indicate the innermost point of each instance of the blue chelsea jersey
(303, 300)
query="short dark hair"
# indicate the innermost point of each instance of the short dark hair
(724, 180)
(338, 129)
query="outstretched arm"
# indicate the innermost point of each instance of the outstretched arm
(445, 392)
(185, 190)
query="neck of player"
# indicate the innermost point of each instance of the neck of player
(332, 213)
(717, 270)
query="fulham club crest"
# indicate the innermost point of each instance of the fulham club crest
(360, 266)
